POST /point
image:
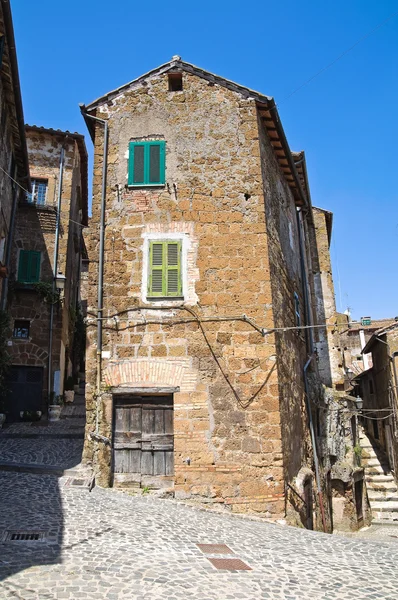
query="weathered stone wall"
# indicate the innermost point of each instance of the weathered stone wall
(327, 344)
(286, 279)
(214, 198)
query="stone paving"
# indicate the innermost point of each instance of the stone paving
(111, 545)
(107, 544)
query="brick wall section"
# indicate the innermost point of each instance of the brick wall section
(220, 194)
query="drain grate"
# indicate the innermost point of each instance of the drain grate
(229, 564)
(23, 536)
(75, 482)
(214, 549)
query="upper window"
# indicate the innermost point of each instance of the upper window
(164, 269)
(146, 163)
(29, 266)
(39, 192)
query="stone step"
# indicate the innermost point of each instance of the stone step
(379, 496)
(388, 486)
(384, 506)
(377, 470)
(378, 516)
(377, 478)
(375, 462)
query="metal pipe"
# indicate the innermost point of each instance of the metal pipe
(310, 346)
(104, 122)
(55, 268)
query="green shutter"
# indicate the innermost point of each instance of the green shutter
(34, 266)
(173, 280)
(164, 269)
(23, 266)
(146, 163)
(29, 266)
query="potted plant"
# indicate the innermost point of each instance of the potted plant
(69, 391)
(30, 415)
(55, 406)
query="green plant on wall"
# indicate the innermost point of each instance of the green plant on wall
(4, 358)
(79, 336)
(46, 291)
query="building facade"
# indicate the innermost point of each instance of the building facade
(201, 363)
(14, 169)
(45, 269)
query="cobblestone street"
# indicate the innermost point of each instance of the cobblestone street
(109, 544)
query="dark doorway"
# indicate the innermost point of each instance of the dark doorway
(359, 500)
(143, 440)
(26, 390)
(309, 520)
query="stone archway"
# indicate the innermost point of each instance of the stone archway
(151, 374)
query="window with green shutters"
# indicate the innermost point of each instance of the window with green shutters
(146, 163)
(29, 266)
(164, 269)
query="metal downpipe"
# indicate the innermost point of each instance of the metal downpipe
(55, 268)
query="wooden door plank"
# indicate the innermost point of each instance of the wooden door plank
(159, 463)
(169, 463)
(159, 420)
(169, 420)
(146, 463)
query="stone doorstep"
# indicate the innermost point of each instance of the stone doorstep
(377, 470)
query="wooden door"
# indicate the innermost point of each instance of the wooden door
(143, 441)
(25, 390)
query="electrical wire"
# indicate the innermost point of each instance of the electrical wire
(361, 39)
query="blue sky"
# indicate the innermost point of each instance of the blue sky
(345, 119)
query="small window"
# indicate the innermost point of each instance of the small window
(29, 266)
(297, 309)
(21, 330)
(146, 163)
(164, 269)
(175, 82)
(39, 192)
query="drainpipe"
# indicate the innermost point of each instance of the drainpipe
(55, 268)
(310, 347)
(104, 122)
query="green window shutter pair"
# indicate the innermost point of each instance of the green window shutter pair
(29, 266)
(165, 269)
(146, 163)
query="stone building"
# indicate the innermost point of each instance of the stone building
(201, 368)
(14, 168)
(46, 257)
(353, 337)
(377, 387)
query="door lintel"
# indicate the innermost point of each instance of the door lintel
(144, 390)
